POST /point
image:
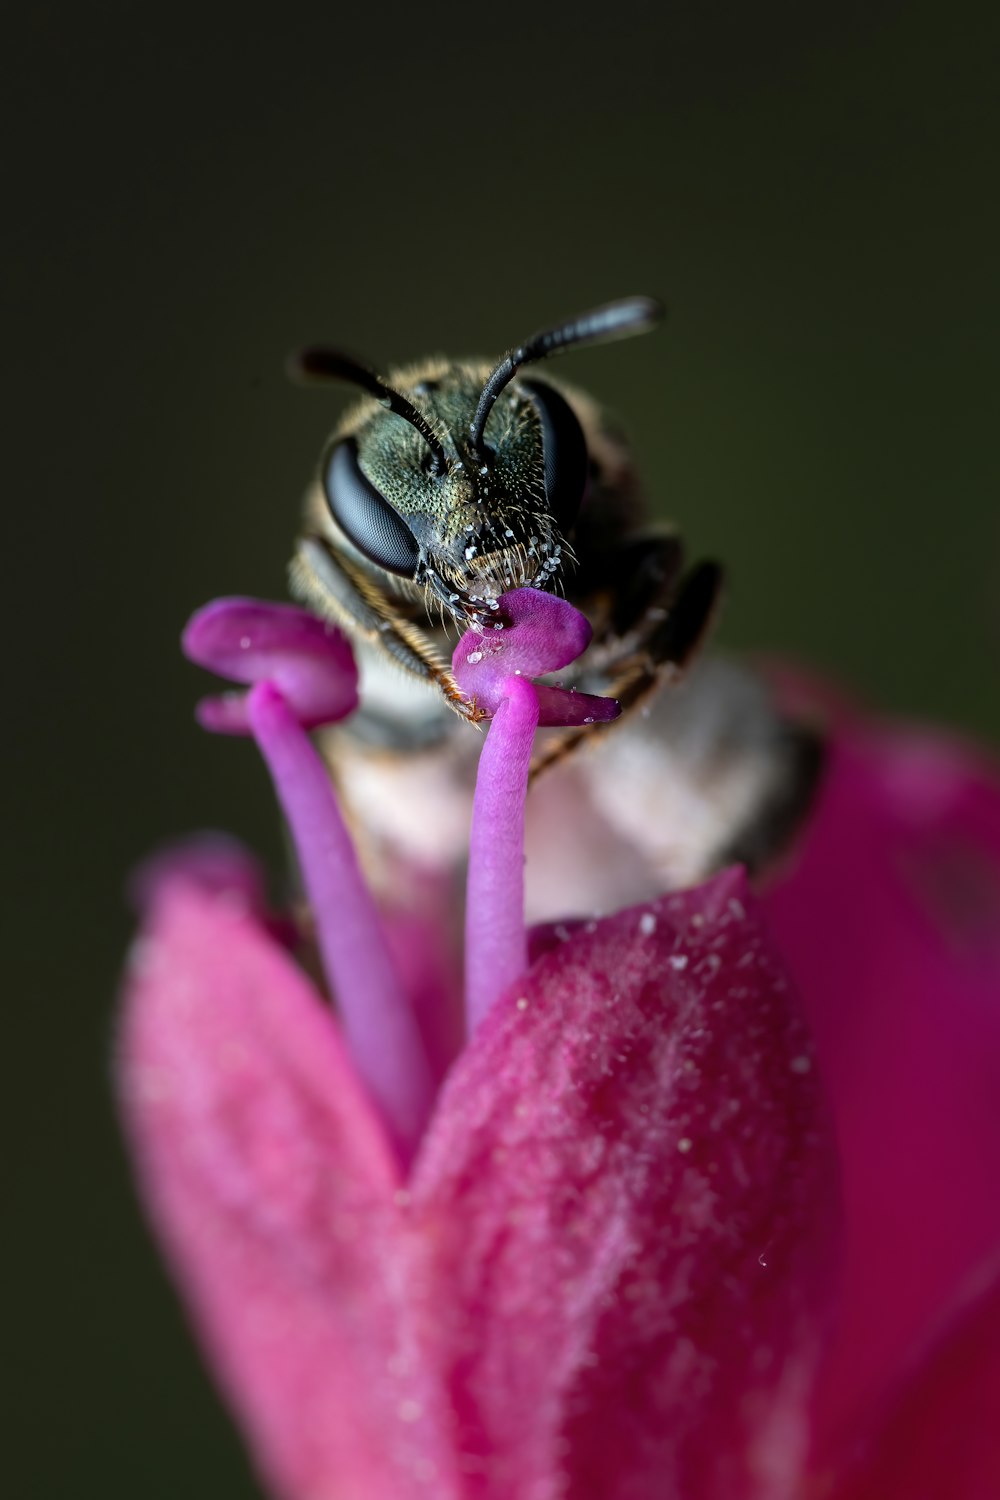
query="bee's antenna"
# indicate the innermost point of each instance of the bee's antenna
(331, 364)
(615, 320)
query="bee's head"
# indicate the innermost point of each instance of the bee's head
(466, 493)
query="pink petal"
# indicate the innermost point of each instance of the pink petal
(628, 1194)
(268, 1177)
(214, 862)
(941, 1440)
(890, 922)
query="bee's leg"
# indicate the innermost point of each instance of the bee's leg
(345, 595)
(668, 638)
(645, 570)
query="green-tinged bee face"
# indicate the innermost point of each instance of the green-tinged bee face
(474, 524)
(461, 479)
(456, 482)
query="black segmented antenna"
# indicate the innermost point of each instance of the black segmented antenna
(615, 320)
(331, 364)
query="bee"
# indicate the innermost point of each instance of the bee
(454, 482)
(448, 484)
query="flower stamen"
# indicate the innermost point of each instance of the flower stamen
(542, 633)
(378, 1022)
(496, 947)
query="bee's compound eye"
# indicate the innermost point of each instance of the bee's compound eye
(565, 451)
(366, 517)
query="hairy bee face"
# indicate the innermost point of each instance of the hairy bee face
(455, 482)
(467, 525)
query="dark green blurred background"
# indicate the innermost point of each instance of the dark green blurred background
(812, 190)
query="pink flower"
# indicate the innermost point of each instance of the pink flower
(890, 925)
(603, 1253)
